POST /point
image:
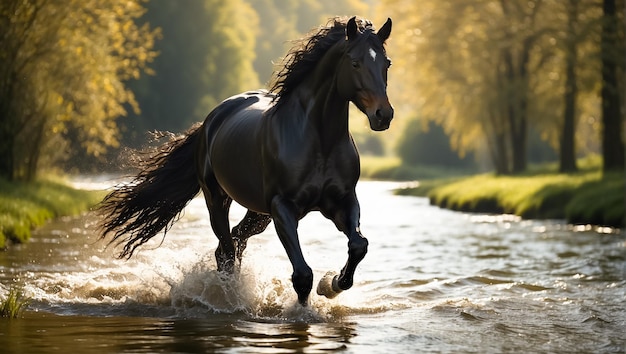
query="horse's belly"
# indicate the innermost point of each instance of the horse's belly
(244, 191)
(236, 163)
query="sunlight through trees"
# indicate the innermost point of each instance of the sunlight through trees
(491, 72)
(63, 73)
(506, 80)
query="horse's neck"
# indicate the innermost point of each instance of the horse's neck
(323, 108)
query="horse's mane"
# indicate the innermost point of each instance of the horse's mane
(306, 52)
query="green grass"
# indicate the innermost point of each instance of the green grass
(24, 206)
(14, 303)
(586, 197)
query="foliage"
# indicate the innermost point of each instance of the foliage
(62, 78)
(24, 206)
(237, 41)
(205, 55)
(281, 22)
(490, 71)
(14, 303)
(212, 49)
(71, 68)
(429, 145)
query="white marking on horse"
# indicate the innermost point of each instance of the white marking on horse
(372, 54)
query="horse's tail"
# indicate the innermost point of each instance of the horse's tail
(135, 212)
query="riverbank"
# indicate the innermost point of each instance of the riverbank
(25, 206)
(587, 197)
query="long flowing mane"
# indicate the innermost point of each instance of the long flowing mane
(306, 52)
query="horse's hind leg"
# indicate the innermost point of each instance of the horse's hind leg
(218, 203)
(252, 223)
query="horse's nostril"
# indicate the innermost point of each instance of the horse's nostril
(379, 114)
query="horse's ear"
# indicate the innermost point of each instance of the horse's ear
(384, 31)
(351, 29)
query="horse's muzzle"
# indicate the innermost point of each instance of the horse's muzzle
(381, 118)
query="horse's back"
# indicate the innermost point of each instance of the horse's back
(234, 147)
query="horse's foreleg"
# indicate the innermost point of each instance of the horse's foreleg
(253, 223)
(286, 223)
(347, 220)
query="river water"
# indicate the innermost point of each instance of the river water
(433, 281)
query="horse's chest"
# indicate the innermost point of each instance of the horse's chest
(322, 181)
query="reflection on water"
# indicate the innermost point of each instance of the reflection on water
(433, 280)
(139, 334)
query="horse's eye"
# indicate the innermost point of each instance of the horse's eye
(355, 64)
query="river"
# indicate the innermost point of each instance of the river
(433, 281)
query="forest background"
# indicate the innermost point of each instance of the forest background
(481, 85)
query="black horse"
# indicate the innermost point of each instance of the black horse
(280, 154)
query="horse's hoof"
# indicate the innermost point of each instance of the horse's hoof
(227, 267)
(328, 285)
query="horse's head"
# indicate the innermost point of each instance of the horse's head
(363, 73)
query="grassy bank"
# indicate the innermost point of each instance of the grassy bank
(581, 198)
(24, 206)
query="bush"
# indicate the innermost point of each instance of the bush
(429, 147)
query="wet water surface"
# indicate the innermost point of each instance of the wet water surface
(433, 281)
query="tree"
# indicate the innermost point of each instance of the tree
(62, 78)
(229, 61)
(483, 53)
(612, 55)
(567, 95)
(206, 55)
(212, 49)
(567, 155)
(492, 71)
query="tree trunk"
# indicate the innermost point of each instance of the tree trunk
(7, 141)
(501, 161)
(612, 144)
(516, 103)
(567, 161)
(518, 147)
(6, 156)
(34, 151)
(497, 145)
(516, 60)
